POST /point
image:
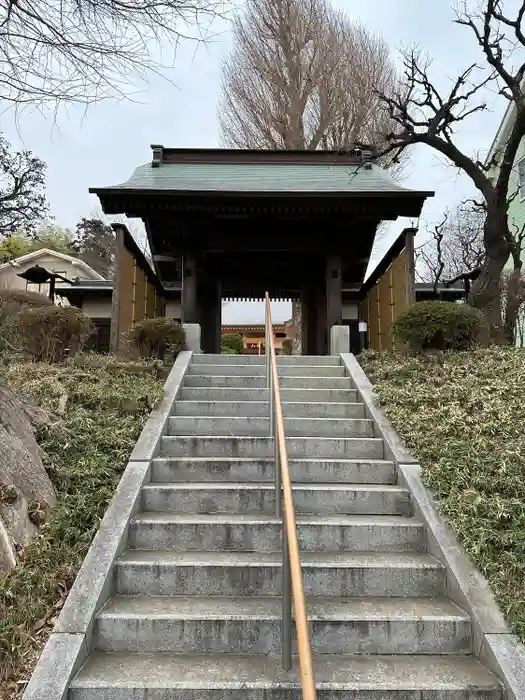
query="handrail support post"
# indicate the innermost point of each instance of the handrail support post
(278, 480)
(286, 604)
(292, 586)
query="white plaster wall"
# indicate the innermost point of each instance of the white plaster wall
(173, 309)
(95, 308)
(9, 276)
(350, 312)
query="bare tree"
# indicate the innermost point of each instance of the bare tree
(302, 76)
(23, 203)
(428, 256)
(455, 246)
(80, 51)
(517, 295)
(513, 282)
(424, 114)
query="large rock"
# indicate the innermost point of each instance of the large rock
(23, 477)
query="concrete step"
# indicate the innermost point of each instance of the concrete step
(262, 533)
(259, 382)
(257, 426)
(246, 573)
(289, 370)
(128, 676)
(261, 408)
(347, 499)
(260, 394)
(349, 471)
(320, 360)
(321, 448)
(194, 625)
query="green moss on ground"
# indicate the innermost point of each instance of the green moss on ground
(87, 450)
(463, 416)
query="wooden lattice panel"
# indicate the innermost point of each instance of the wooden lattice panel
(160, 305)
(140, 292)
(385, 311)
(125, 310)
(136, 295)
(388, 295)
(150, 300)
(373, 320)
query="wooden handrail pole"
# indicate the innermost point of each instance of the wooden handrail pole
(291, 554)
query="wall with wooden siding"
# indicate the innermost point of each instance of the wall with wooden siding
(389, 291)
(137, 294)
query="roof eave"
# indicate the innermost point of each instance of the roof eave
(254, 193)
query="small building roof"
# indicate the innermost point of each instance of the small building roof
(86, 289)
(262, 172)
(96, 285)
(246, 327)
(41, 252)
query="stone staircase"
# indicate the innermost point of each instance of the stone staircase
(196, 613)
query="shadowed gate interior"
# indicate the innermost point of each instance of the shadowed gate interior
(226, 224)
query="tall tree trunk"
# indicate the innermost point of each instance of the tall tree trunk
(486, 291)
(514, 299)
(23, 477)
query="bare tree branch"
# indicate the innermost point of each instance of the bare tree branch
(302, 76)
(81, 51)
(22, 200)
(433, 261)
(423, 114)
(456, 245)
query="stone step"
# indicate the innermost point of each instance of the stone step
(194, 625)
(261, 409)
(259, 382)
(208, 394)
(257, 426)
(247, 573)
(346, 499)
(323, 360)
(289, 370)
(323, 448)
(262, 533)
(349, 471)
(128, 676)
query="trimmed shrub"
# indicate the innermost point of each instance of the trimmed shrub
(158, 337)
(439, 325)
(12, 302)
(52, 333)
(232, 344)
(287, 346)
(23, 297)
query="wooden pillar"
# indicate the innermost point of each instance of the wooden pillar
(189, 310)
(304, 321)
(321, 326)
(114, 334)
(309, 320)
(217, 316)
(411, 266)
(334, 297)
(209, 303)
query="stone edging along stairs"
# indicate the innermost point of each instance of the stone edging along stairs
(178, 598)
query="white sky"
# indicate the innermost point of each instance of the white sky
(104, 145)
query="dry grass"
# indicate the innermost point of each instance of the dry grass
(87, 449)
(463, 415)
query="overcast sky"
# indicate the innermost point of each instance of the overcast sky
(104, 145)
